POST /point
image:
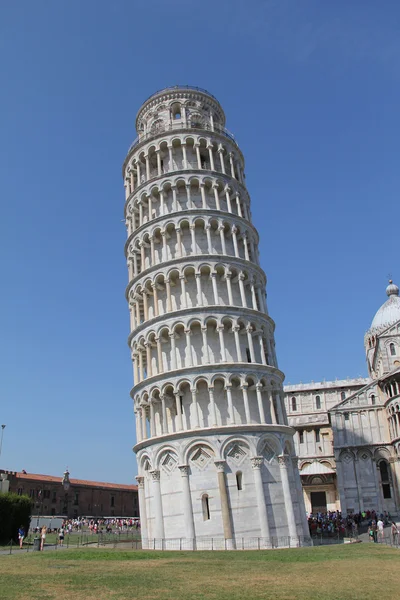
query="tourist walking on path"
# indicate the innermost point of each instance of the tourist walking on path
(21, 535)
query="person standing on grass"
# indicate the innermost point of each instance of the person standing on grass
(380, 526)
(21, 535)
(395, 533)
(61, 535)
(43, 537)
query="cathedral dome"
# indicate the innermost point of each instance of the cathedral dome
(389, 312)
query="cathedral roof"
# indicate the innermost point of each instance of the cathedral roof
(389, 312)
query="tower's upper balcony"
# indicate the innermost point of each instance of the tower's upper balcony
(179, 107)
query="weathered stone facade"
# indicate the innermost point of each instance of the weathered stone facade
(215, 453)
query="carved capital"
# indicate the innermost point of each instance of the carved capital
(256, 462)
(140, 481)
(220, 465)
(284, 461)
(184, 469)
(155, 475)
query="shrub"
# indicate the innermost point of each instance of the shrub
(14, 511)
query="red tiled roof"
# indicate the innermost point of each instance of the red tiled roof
(51, 479)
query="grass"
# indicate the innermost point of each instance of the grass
(342, 572)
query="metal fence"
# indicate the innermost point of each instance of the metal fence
(132, 541)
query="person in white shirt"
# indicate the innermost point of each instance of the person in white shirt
(380, 529)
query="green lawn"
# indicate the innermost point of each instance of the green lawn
(342, 572)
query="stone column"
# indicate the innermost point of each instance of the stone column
(242, 290)
(173, 351)
(216, 196)
(141, 369)
(223, 493)
(152, 251)
(138, 426)
(178, 412)
(279, 408)
(236, 329)
(221, 159)
(230, 404)
(155, 298)
(287, 496)
(358, 482)
(144, 422)
(147, 166)
(228, 277)
(183, 290)
(210, 154)
(228, 199)
(235, 243)
(221, 230)
(185, 163)
(198, 286)
(170, 159)
(135, 369)
(208, 234)
(145, 305)
(189, 197)
(159, 170)
(246, 404)
(378, 486)
(169, 299)
(300, 495)
(260, 403)
(195, 408)
(256, 463)
(143, 512)
(152, 419)
(214, 287)
(189, 361)
(179, 242)
(193, 236)
(197, 146)
(205, 345)
(160, 365)
(250, 342)
(162, 207)
(203, 196)
(164, 424)
(158, 513)
(239, 208)
(220, 329)
(231, 164)
(213, 413)
(187, 506)
(148, 358)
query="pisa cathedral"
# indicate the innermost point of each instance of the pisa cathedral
(224, 452)
(348, 432)
(216, 457)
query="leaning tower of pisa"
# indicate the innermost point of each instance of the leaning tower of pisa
(215, 453)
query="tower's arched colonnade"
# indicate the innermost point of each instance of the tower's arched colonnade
(215, 453)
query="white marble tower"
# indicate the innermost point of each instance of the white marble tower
(215, 453)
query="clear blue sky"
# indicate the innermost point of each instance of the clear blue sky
(311, 91)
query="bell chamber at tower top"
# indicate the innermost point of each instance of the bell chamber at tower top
(181, 130)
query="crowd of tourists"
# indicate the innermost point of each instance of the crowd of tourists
(333, 523)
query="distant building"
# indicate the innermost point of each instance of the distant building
(348, 431)
(84, 498)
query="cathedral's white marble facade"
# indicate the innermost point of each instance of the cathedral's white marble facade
(348, 431)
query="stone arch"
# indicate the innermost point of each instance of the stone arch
(190, 450)
(166, 459)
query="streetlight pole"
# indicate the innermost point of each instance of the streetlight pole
(1, 439)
